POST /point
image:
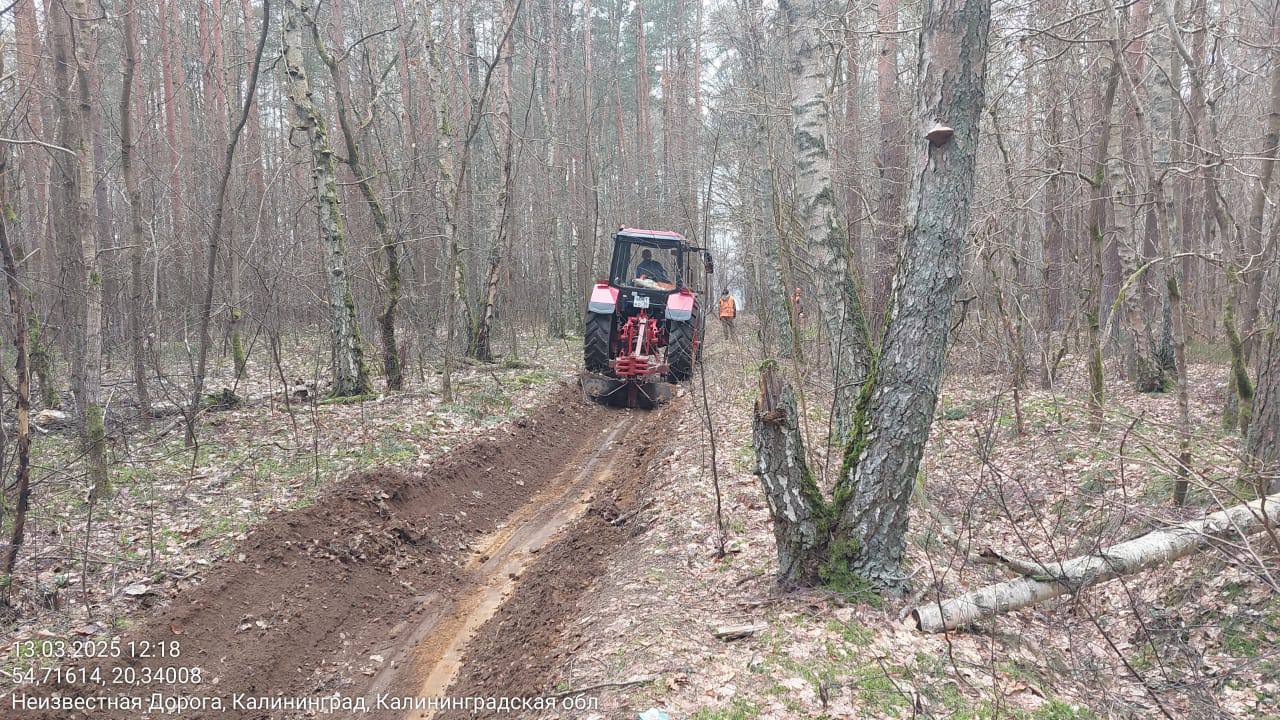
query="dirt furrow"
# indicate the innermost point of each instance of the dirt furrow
(381, 584)
(518, 651)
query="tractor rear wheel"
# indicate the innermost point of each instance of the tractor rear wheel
(680, 351)
(595, 342)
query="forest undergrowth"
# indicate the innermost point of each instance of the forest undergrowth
(172, 511)
(1194, 639)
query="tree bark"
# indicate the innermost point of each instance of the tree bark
(1245, 292)
(1158, 547)
(896, 408)
(1097, 223)
(37, 170)
(390, 240)
(801, 528)
(839, 307)
(1257, 257)
(1262, 449)
(72, 32)
(176, 134)
(138, 321)
(1051, 263)
(34, 165)
(891, 162)
(859, 537)
(776, 316)
(350, 376)
(19, 311)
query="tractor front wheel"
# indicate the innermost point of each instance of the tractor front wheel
(680, 351)
(595, 342)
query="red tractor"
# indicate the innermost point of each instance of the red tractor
(644, 325)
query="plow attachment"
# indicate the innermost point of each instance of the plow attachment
(645, 393)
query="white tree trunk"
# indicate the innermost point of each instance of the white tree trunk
(838, 304)
(350, 377)
(1155, 548)
(795, 503)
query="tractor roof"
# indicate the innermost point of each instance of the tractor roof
(666, 235)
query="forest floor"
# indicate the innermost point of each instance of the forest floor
(172, 513)
(570, 551)
(1196, 639)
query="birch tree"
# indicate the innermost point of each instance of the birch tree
(825, 238)
(389, 239)
(350, 376)
(858, 536)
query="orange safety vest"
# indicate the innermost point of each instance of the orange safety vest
(727, 307)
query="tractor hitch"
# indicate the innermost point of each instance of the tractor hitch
(644, 392)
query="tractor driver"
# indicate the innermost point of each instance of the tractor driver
(650, 268)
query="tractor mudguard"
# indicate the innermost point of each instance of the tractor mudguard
(603, 299)
(680, 305)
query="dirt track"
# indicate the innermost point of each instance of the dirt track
(458, 575)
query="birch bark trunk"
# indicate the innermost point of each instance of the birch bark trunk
(389, 240)
(350, 376)
(799, 512)
(895, 411)
(840, 309)
(1158, 547)
(857, 539)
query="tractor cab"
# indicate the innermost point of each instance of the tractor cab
(644, 323)
(647, 266)
(648, 259)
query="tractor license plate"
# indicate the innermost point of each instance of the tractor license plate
(640, 301)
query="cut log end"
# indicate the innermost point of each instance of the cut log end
(917, 617)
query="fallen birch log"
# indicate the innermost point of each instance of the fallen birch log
(738, 632)
(1155, 548)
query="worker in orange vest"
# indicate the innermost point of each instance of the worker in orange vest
(728, 311)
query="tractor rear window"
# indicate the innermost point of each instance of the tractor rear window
(637, 264)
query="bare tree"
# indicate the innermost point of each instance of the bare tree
(18, 312)
(350, 376)
(860, 535)
(390, 239)
(137, 229)
(824, 231)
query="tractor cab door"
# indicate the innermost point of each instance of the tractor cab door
(693, 276)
